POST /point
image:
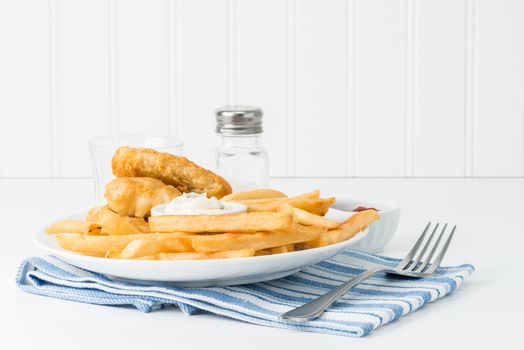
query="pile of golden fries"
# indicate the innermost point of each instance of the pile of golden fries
(273, 224)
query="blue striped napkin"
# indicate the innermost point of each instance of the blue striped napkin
(371, 304)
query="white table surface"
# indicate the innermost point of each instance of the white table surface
(485, 312)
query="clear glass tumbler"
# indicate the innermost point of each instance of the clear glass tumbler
(103, 148)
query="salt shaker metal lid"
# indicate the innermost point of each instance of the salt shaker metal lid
(238, 120)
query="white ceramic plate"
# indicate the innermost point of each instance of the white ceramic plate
(198, 273)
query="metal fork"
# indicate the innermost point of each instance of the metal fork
(410, 266)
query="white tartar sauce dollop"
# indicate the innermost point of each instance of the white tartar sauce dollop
(196, 203)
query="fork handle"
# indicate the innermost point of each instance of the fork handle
(316, 307)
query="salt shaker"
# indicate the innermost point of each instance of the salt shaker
(240, 157)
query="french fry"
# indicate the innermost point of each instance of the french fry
(314, 206)
(102, 245)
(279, 200)
(158, 244)
(150, 257)
(346, 230)
(95, 244)
(180, 256)
(301, 246)
(242, 222)
(330, 237)
(360, 220)
(283, 249)
(110, 223)
(140, 223)
(97, 255)
(323, 208)
(257, 241)
(228, 254)
(73, 226)
(263, 252)
(93, 229)
(243, 253)
(261, 193)
(308, 219)
(315, 194)
(309, 202)
(93, 215)
(113, 254)
(113, 224)
(67, 226)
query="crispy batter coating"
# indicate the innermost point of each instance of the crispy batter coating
(135, 196)
(173, 170)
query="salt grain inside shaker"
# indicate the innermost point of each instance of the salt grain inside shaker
(240, 157)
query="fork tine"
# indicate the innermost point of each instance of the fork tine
(434, 266)
(414, 249)
(432, 252)
(420, 255)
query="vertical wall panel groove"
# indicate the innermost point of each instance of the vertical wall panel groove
(291, 85)
(381, 90)
(469, 115)
(202, 74)
(439, 101)
(410, 77)
(143, 71)
(262, 72)
(113, 66)
(25, 137)
(232, 54)
(172, 64)
(2, 87)
(321, 88)
(499, 88)
(53, 87)
(82, 81)
(351, 71)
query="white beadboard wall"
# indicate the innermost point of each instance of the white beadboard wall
(365, 88)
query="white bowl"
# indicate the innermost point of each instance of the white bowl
(381, 231)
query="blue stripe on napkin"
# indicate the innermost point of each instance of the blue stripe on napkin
(375, 302)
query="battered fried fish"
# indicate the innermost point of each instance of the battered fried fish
(135, 196)
(173, 170)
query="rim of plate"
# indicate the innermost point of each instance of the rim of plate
(37, 238)
(387, 206)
